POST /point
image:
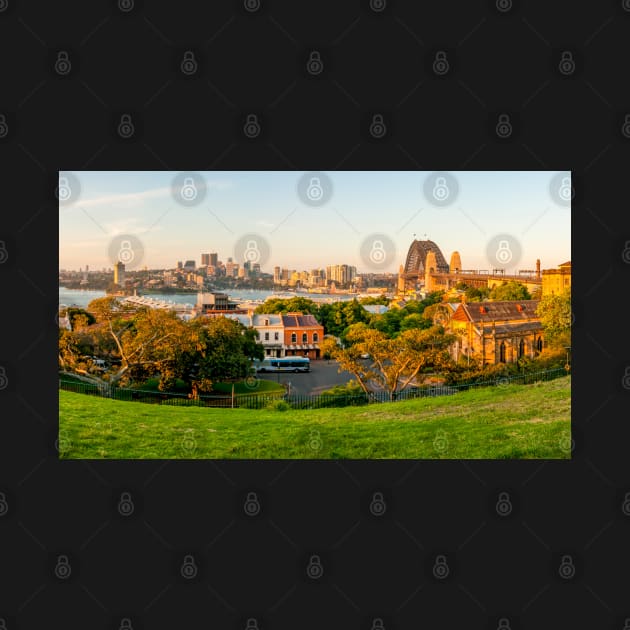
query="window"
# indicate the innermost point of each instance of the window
(315, 337)
(293, 337)
(521, 348)
(502, 352)
(266, 322)
(266, 336)
(304, 338)
(276, 336)
(539, 344)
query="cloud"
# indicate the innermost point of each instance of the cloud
(136, 199)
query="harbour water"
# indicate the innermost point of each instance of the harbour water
(81, 298)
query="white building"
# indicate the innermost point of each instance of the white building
(270, 329)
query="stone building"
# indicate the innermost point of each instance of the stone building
(495, 332)
(555, 281)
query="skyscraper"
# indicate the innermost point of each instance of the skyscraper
(119, 274)
(214, 259)
(205, 260)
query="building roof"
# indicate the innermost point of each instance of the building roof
(274, 320)
(300, 321)
(244, 319)
(487, 312)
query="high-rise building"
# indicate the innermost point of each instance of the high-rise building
(256, 269)
(180, 265)
(276, 275)
(205, 260)
(119, 274)
(214, 259)
(190, 265)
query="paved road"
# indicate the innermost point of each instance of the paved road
(323, 375)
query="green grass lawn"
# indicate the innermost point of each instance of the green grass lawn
(504, 422)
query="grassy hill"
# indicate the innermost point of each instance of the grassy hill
(506, 422)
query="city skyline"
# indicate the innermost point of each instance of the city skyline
(270, 209)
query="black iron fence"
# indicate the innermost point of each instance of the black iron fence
(298, 401)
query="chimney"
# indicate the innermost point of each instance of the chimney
(538, 267)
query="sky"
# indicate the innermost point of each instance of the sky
(270, 205)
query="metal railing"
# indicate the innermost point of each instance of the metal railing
(264, 400)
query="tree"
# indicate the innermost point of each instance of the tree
(381, 299)
(476, 294)
(279, 305)
(555, 316)
(511, 291)
(154, 342)
(395, 363)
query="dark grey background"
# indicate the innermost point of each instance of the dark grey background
(374, 567)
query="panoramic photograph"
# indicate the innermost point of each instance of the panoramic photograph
(315, 315)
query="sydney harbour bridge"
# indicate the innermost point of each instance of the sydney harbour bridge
(426, 268)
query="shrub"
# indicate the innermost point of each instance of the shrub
(278, 405)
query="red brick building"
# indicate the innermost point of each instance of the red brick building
(302, 335)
